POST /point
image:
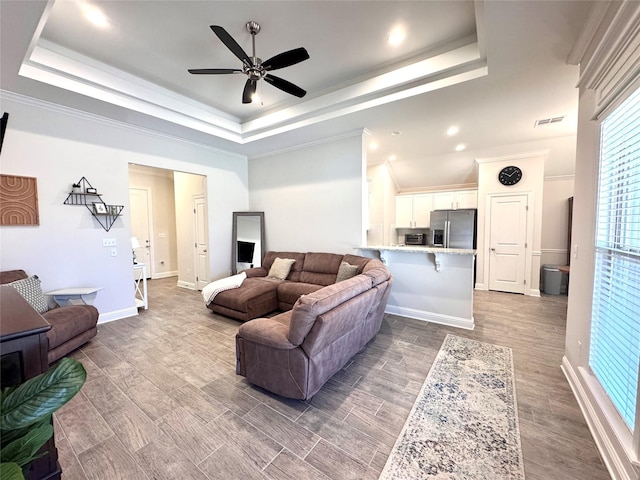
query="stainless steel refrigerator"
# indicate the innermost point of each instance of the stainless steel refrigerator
(454, 228)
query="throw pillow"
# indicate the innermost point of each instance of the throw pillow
(280, 268)
(346, 271)
(31, 290)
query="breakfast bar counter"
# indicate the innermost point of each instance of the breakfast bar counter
(429, 283)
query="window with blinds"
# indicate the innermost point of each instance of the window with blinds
(614, 355)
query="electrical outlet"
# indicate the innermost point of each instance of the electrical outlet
(114, 252)
(575, 251)
(109, 242)
(579, 349)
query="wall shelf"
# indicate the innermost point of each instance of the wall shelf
(84, 194)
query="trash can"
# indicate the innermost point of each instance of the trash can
(552, 278)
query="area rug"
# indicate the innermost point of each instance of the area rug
(464, 424)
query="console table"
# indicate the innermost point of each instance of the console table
(140, 291)
(24, 346)
(74, 296)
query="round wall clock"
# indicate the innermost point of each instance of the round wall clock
(510, 176)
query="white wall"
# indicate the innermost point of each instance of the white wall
(532, 166)
(58, 146)
(555, 219)
(613, 65)
(313, 197)
(382, 194)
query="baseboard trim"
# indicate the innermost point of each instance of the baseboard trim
(117, 315)
(480, 286)
(165, 275)
(610, 456)
(459, 322)
(534, 292)
(189, 285)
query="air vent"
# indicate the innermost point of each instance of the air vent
(548, 121)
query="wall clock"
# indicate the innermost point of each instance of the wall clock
(510, 176)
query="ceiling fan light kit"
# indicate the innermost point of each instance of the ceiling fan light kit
(253, 67)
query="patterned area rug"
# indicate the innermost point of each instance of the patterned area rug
(464, 424)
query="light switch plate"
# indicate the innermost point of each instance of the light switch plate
(114, 252)
(109, 242)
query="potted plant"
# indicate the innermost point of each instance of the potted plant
(25, 414)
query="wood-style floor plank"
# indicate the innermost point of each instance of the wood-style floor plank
(162, 399)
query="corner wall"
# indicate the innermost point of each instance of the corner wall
(58, 145)
(313, 197)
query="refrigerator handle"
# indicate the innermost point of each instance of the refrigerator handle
(447, 229)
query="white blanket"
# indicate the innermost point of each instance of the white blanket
(210, 291)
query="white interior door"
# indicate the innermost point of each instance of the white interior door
(507, 243)
(141, 226)
(201, 243)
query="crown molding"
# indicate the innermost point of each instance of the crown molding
(97, 119)
(353, 133)
(596, 16)
(520, 156)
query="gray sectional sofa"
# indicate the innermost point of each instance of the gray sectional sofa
(321, 325)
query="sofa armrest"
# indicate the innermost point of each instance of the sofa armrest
(255, 272)
(268, 332)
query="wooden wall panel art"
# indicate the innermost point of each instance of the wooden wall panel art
(18, 200)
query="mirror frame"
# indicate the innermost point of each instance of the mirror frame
(234, 237)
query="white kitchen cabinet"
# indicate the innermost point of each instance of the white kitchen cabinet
(455, 199)
(413, 211)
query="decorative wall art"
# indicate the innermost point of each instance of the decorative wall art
(18, 200)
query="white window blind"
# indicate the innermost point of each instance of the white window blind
(614, 355)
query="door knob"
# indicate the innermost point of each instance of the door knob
(204, 251)
(493, 249)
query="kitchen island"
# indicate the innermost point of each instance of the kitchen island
(429, 283)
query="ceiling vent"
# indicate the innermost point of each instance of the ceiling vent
(548, 121)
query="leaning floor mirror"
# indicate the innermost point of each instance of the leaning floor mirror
(247, 248)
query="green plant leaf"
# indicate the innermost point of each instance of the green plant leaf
(10, 471)
(24, 449)
(9, 436)
(40, 396)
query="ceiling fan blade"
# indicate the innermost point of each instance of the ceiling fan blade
(286, 59)
(214, 71)
(285, 86)
(231, 44)
(249, 91)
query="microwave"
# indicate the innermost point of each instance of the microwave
(415, 239)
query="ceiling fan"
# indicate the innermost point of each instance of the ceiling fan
(253, 67)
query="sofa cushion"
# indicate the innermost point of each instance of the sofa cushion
(68, 322)
(31, 290)
(294, 275)
(9, 276)
(252, 289)
(361, 262)
(346, 271)
(310, 306)
(320, 268)
(280, 268)
(290, 292)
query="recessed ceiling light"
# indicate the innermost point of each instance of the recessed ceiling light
(95, 15)
(392, 158)
(373, 146)
(460, 147)
(395, 133)
(396, 36)
(452, 130)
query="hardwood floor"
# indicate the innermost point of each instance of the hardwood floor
(162, 400)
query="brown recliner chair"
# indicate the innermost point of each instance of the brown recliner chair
(71, 326)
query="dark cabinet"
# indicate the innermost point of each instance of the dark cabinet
(23, 355)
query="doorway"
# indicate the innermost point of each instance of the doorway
(508, 242)
(163, 203)
(141, 215)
